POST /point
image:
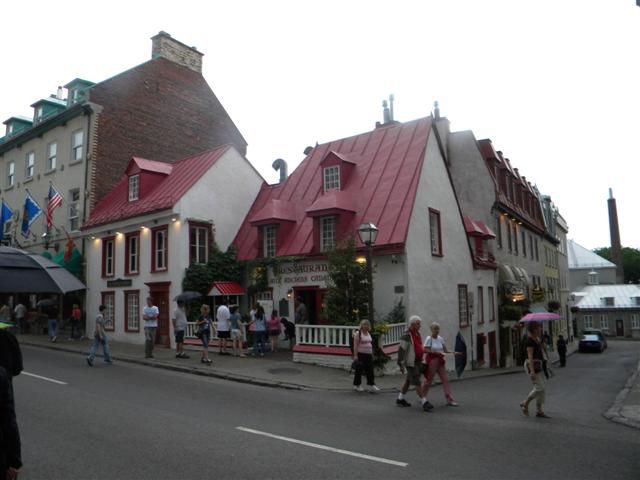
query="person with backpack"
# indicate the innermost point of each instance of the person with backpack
(534, 366)
(363, 357)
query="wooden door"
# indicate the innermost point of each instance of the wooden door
(493, 351)
(159, 291)
(619, 328)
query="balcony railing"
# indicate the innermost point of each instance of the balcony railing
(338, 335)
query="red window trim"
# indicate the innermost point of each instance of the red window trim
(440, 246)
(153, 248)
(126, 310)
(126, 254)
(102, 296)
(104, 257)
(209, 228)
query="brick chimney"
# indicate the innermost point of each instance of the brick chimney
(165, 46)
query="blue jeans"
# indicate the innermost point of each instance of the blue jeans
(258, 342)
(105, 348)
(52, 325)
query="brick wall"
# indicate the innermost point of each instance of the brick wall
(158, 110)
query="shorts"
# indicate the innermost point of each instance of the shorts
(236, 334)
(414, 373)
(205, 339)
(274, 333)
(179, 334)
(224, 334)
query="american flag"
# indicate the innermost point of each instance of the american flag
(53, 200)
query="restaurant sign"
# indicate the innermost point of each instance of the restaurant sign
(304, 273)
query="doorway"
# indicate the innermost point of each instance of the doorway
(619, 328)
(159, 292)
(313, 298)
(493, 352)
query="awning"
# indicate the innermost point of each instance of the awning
(476, 228)
(223, 289)
(506, 274)
(537, 308)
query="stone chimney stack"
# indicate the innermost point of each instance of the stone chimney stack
(616, 246)
(165, 46)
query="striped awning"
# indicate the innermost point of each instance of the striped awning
(223, 289)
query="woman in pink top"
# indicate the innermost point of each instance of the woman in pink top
(273, 329)
(363, 356)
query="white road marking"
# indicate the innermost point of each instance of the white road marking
(324, 447)
(44, 378)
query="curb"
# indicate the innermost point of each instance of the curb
(615, 411)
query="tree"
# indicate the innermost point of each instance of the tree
(630, 262)
(347, 292)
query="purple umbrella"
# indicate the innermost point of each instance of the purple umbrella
(540, 317)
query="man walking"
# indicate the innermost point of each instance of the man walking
(561, 345)
(410, 356)
(150, 315)
(99, 338)
(21, 312)
(179, 321)
(223, 327)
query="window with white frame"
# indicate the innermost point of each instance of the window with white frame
(327, 233)
(198, 243)
(11, 173)
(588, 321)
(74, 216)
(435, 234)
(332, 178)
(269, 240)
(160, 249)
(635, 321)
(108, 257)
(604, 322)
(109, 301)
(134, 187)
(29, 164)
(463, 306)
(132, 309)
(77, 142)
(38, 114)
(492, 304)
(132, 253)
(52, 155)
(480, 305)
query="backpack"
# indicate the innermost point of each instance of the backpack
(10, 354)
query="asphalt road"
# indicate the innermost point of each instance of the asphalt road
(134, 422)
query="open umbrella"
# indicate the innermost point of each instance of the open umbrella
(26, 272)
(461, 360)
(188, 296)
(540, 317)
(47, 302)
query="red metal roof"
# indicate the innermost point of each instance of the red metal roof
(181, 177)
(476, 228)
(274, 210)
(381, 188)
(220, 289)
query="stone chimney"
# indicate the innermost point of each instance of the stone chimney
(165, 46)
(616, 246)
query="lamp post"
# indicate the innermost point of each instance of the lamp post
(368, 233)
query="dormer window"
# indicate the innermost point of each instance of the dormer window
(38, 113)
(269, 240)
(327, 233)
(609, 301)
(332, 178)
(134, 187)
(9, 129)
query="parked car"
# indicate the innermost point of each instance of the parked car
(598, 332)
(590, 343)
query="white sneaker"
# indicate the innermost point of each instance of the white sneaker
(374, 389)
(358, 388)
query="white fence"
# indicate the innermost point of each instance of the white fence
(338, 335)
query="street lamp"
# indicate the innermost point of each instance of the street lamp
(368, 233)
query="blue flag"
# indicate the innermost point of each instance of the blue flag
(5, 216)
(30, 212)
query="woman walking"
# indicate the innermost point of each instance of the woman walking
(534, 366)
(363, 355)
(259, 323)
(203, 326)
(435, 349)
(273, 329)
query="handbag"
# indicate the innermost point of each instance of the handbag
(199, 333)
(356, 365)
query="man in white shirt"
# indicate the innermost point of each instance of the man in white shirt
(223, 328)
(179, 321)
(20, 312)
(150, 315)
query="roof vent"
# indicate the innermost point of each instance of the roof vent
(281, 166)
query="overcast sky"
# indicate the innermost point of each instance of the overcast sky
(553, 83)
